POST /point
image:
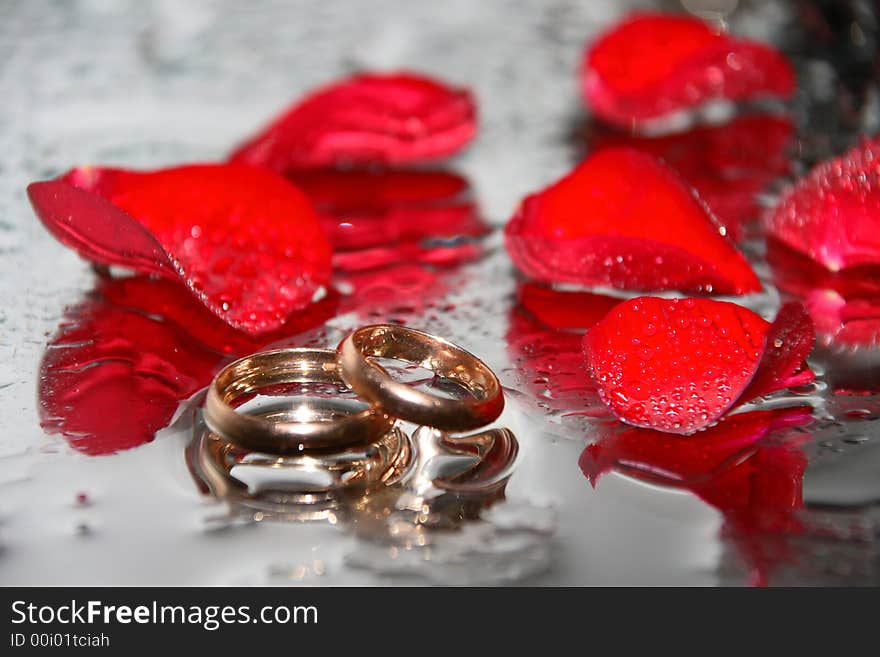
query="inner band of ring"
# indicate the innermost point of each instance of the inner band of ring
(445, 359)
(283, 366)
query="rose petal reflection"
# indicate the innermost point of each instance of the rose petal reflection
(845, 307)
(748, 467)
(544, 337)
(124, 358)
(376, 217)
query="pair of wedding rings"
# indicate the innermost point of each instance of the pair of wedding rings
(344, 448)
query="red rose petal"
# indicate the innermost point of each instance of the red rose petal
(97, 229)
(747, 467)
(366, 118)
(123, 360)
(170, 301)
(833, 213)
(653, 64)
(790, 339)
(594, 228)
(378, 217)
(728, 165)
(247, 242)
(676, 365)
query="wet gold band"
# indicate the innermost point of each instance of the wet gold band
(285, 366)
(445, 359)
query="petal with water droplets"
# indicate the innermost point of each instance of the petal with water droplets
(833, 213)
(245, 241)
(728, 165)
(653, 64)
(626, 220)
(790, 339)
(676, 365)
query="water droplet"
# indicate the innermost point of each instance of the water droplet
(619, 395)
(639, 390)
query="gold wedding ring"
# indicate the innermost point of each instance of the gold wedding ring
(371, 382)
(247, 376)
(318, 451)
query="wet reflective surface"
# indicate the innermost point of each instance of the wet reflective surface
(92, 364)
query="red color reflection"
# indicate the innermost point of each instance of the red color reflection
(845, 305)
(395, 292)
(748, 467)
(376, 217)
(544, 340)
(124, 358)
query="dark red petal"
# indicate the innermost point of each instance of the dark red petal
(653, 64)
(844, 305)
(833, 213)
(367, 118)
(246, 242)
(378, 217)
(564, 310)
(676, 365)
(97, 229)
(728, 165)
(789, 341)
(594, 228)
